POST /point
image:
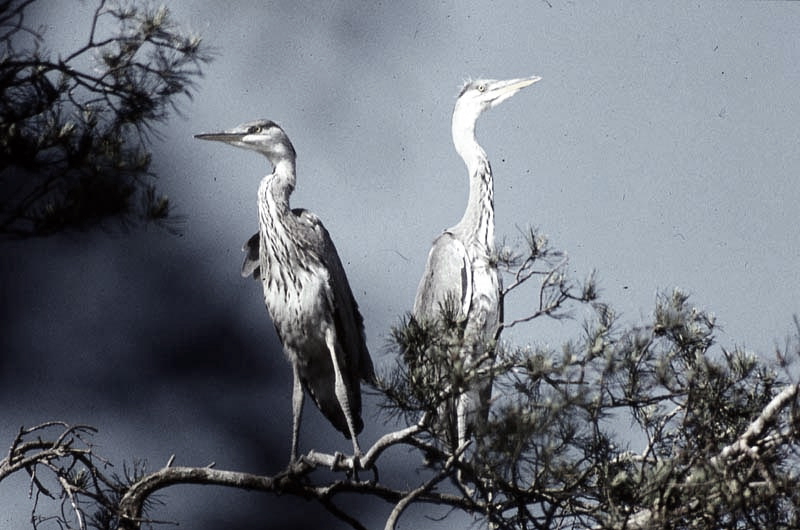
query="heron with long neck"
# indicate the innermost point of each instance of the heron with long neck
(305, 289)
(461, 269)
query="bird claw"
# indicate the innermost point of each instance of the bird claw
(296, 464)
(351, 464)
(468, 491)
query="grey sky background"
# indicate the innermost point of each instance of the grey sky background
(660, 149)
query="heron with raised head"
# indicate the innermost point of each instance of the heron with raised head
(460, 267)
(305, 289)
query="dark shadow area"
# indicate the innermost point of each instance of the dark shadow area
(117, 332)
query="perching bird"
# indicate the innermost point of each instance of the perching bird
(460, 265)
(305, 289)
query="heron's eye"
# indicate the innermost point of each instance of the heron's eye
(253, 129)
(481, 87)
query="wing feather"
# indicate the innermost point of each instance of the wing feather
(352, 354)
(251, 263)
(448, 274)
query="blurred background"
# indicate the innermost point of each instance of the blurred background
(661, 149)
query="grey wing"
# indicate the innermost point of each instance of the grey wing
(352, 354)
(347, 317)
(448, 274)
(252, 262)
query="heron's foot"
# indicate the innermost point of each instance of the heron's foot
(297, 464)
(462, 484)
(355, 465)
(338, 458)
(459, 459)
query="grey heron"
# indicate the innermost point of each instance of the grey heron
(305, 289)
(460, 267)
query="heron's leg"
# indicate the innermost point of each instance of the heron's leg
(297, 411)
(341, 391)
(463, 406)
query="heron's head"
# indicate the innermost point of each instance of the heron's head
(264, 136)
(482, 94)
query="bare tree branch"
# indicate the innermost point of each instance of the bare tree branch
(401, 506)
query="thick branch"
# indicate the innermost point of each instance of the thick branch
(756, 429)
(131, 504)
(336, 463)
(283, 483)
(294, 481)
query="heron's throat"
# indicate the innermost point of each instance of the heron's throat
(275, 223)
(463, 130)
(276, 187)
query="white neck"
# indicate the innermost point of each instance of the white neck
(477, 224)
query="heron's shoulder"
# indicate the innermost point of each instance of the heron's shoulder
(447, 241)
(448, 253)
(447, 277)
(306, 216)
(310, 224)
(314, 238)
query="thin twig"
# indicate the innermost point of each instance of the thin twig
(406, 501)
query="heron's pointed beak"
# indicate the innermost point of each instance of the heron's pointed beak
(227, 137)
(502, 90)
(518, 84)
(512, 86)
